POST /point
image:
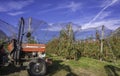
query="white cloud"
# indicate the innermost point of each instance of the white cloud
(53, 28)
(16, 13)
(111, 24)
(108, 4)
(14, 5)
(73, 6)
(59, 26)
(114, 1)
(104, 14)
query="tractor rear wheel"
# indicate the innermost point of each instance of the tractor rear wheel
(37, 68)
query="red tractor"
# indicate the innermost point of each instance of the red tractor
(33, 54)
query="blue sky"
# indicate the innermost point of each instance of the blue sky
(86, 13)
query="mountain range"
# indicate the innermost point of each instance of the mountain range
(44, 32)
(91, 32)
(116, 32)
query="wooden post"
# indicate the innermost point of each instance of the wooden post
(102, 38)
(30, 22)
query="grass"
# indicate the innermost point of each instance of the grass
(88, 67)
(61, 67)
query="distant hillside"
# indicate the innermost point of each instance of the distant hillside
(116, 32)
(2, 35)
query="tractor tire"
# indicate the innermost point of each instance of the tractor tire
(37, 67)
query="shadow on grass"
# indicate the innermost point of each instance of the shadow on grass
(112, 70)
(10, 69)
(57, 66)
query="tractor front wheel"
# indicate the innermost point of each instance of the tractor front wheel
(37, 68)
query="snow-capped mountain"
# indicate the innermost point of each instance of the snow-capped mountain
(40, 30)
(44, 32)
(91, 32)
(116, 33)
